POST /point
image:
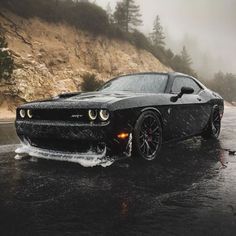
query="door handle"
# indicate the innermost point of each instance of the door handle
(199, 99)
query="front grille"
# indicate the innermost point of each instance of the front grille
(64, 145)
(61, 115)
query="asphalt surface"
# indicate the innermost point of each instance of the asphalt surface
(190, 189)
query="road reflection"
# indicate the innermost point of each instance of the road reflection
(8, 134)
(187, 190)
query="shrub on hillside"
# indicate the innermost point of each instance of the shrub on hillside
(140, 40)
(91, 17)
(90, 83)
(6, 60)
(85, 15)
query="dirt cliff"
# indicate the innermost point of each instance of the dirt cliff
(52, 58)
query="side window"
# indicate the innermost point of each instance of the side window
(180, 82)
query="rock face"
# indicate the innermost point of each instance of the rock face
(52, 58)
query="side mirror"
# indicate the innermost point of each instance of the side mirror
(184, 90)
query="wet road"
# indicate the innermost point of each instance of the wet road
(190, 190)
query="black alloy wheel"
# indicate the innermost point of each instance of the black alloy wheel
(147, 136)
(214, 126)
(216, 123)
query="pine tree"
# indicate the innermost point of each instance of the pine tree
(186, 59)
(6, 61)
(109, 14)
(157, 36)
(127, 15)
(182, 63)
(119, 15)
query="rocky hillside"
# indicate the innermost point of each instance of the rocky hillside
(53, 58)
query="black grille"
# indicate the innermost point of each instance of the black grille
(61, 115)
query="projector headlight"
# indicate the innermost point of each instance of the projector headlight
(22, 113)
(104, 115)
(30, 114)
(92, 114)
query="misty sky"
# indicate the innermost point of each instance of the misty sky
(207, 26)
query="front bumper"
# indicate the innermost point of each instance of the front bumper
(72, 141)
(89, 159)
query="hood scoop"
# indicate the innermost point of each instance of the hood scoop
(68, 95)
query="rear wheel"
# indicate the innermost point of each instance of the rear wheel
(214, 126)
(147, 136)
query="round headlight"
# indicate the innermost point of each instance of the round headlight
(92, 114)
(22, 113)
(104, 115)
(29, 114)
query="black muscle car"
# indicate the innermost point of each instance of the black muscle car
(130, 115)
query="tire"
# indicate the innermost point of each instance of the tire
(214, 125)
(147, 136)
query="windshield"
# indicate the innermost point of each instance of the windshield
(140, 83)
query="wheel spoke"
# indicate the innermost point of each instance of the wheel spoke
(148, 147)
(143, 148)
(156, 142)
(153, 145)
(155, 130)
(156, 134)
(153, 123)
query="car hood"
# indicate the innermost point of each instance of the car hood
(99, 97)
(86, 100)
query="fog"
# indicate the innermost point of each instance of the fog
(206, 27)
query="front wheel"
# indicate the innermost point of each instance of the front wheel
(214, 126)
(147, 136)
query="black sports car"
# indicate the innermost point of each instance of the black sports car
(131, 114)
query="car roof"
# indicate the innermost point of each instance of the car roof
(155, 72)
